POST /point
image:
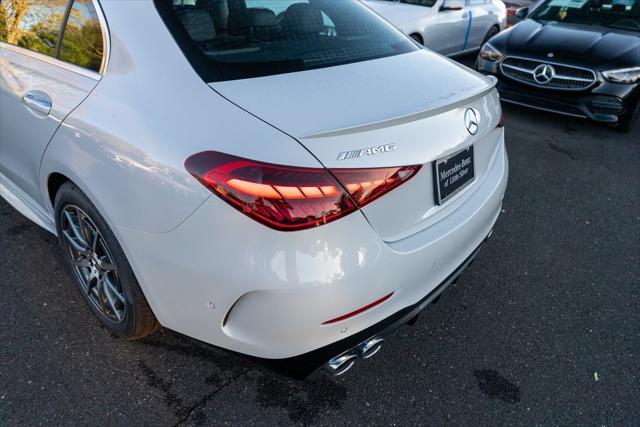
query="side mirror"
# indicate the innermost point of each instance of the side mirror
(452, 5)
(522, 12)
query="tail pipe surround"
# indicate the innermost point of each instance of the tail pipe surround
(366, 349)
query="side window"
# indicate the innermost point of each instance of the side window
(32, 24)
(82, 42)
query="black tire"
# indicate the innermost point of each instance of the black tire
(417, 38)
(492, 32)
(135, 319)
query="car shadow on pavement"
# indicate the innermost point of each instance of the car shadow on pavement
(301, 400)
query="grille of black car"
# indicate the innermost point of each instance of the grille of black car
(563, 77)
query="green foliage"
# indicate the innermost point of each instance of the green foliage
(81, 43)
(42, 38)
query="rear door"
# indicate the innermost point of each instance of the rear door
(446, 31)
(481, 17)
(50, 60)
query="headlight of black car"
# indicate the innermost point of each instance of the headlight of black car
(490, 53)
(623, 75)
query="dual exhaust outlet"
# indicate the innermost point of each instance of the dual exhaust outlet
(366, 349)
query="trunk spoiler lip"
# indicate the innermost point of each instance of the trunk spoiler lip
(394, 121)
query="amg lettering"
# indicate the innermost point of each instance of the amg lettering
(366, 151)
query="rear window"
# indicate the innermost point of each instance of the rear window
(82, 42)
(236, 39)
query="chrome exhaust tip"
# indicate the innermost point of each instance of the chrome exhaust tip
(370, 347)
(341, 364)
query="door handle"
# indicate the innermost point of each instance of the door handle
(37, 101)
(465, 15)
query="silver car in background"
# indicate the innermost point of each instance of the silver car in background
(289, 180)
(449, 27)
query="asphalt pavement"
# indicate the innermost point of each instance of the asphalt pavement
(544, 328)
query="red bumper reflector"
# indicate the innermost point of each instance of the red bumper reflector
(360, 310)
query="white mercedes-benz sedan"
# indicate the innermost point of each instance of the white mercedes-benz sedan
(288, 180)
(449, 27)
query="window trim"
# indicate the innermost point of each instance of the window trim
(55, 60)
(63, 26)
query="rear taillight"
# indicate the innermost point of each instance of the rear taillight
(366, 185)
(291, 198)
(501, 121)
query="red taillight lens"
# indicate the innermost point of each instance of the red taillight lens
(501, 121)
(366, 185)
(291, 198)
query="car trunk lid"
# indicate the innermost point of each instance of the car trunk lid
(397, 111)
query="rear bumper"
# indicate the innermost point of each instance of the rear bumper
(226, 280)
(306, 364)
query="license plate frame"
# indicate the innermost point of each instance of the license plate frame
(453, 174)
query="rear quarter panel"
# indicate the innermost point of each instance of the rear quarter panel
(125, 146)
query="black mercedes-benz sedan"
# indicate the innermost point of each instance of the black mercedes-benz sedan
(575, 57)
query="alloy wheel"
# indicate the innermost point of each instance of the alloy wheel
(93, 264)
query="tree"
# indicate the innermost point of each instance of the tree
(3, 22)
(14, 16)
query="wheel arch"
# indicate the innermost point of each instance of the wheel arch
(488, 36)
(55, 180)
(417, 37)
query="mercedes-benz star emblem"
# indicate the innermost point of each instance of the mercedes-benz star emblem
(471, 121)
(543, 74)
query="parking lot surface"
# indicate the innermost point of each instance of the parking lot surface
(543, 328)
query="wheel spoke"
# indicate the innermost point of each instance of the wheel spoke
(96, 235)
(101, 296)
(91, 286)
(82, 262)
(108, 267)
(83, 226)
(112, 304)
(77, 246)
(113, 289)
(75, 229)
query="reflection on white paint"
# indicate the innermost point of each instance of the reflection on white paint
(322, 267)
(362, 260)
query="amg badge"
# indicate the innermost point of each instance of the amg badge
(366, 151)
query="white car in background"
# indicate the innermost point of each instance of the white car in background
(449, 27)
